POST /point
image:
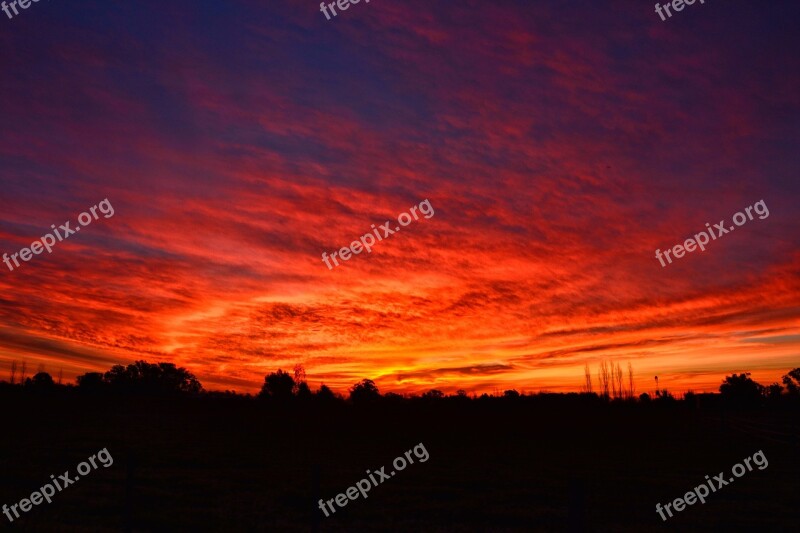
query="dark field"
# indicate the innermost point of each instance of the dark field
(551, 463)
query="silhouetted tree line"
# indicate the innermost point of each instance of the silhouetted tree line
(283, 388)
(139, 378)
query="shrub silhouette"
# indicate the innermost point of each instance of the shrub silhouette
(664, 395)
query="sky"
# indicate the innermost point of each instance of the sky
(558, 145)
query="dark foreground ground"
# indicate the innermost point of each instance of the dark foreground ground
(237, 465)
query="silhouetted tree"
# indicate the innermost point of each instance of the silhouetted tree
(460, 396)
(792, 382)
(631, 387)
(393, 397)
(41, 381)
(90, 382)
(604, 377)
(587, 374)
(433, 394)
(364, 391)
(299, 375)
(617, 377)
(511, 393)
(773, 392)
(325, 394)
(741, 390)
(278, 385)
(303, 391)
(142, 377)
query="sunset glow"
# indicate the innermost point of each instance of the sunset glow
(559, 147)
